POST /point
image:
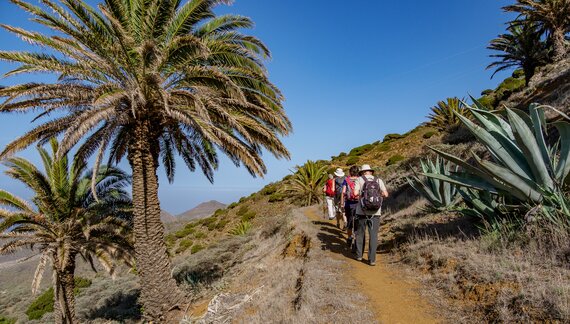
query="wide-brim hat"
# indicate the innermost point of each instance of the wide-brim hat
(365, 167)
(339, 173)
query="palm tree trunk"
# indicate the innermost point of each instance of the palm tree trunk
(559, 44)
(64, 297)
(159, 292)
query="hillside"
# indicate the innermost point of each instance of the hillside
(202, 210)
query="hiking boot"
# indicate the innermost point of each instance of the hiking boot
(358, 259)
(372, 263)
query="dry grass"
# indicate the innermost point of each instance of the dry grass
(282, 276)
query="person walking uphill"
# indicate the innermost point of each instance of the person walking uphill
(338, 182)
(350, 200)
(329, 190)
(371, 191)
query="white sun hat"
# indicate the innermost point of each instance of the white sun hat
(365, 167)
(339, 173)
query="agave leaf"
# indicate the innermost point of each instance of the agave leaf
(563, 166)
(495, 147)
(515, 185)
(527, 142)
(539, 124)
(463, 181)
(420, 187)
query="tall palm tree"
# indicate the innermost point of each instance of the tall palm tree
(443, 116)
(149, 79)
(67, 222)
(553, 16)
(521, 47)
(307, 183)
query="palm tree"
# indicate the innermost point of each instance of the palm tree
(68, 221)
(307, 183)
(521, 47)
(146, 80)
(443, 116)
(552, 16)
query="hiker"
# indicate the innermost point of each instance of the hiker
(338, 181)
(329, 190)
(349, 200)
(371, 191)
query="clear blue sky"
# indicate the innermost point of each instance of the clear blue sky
(351, 72)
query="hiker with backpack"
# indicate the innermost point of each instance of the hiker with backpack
(338, 181)
(349, 200)
(371, 191)
(330, 193)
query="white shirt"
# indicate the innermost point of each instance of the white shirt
(358, 185)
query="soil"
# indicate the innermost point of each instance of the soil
(392, 297)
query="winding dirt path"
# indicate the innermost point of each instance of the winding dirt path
(392, 298)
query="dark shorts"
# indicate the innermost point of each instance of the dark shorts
(350, 212)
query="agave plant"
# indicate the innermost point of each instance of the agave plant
(524, 168)
(442, 195)
(443, 116)
(307, 182)
(241, 229)
(480, 204)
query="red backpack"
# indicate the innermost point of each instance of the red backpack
(350, 194)
(329, 190)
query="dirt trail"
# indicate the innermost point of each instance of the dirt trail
(393, 299)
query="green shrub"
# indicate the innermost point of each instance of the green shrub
(220, 212)
(7, 320)
(342, 154)
(276, 197)
(222, 223)
(41, 305)
(187, 230)
(269, 189)
(352, 160)
(429, 134)
(508, 86)
(518, 74)
(357, 151)
(196, 248)
(242, 211)
(44, 302)
(395, 159)
(489, 101)
(199, 235)
(170, 239)
(248, 216)
(487, 92)
(232, 205)
(384, 147)
(184, 245)
(393, 136)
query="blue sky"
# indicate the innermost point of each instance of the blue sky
(351, 72)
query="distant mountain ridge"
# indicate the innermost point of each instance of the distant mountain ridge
(202, 210)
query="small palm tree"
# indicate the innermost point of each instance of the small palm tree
(521, 47)
(552, 16)
(443, 115)
(307, 183)
(147, 80)
(68, 221)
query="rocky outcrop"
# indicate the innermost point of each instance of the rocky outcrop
(549, 86)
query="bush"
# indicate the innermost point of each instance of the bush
(199, 235)
(232, 205)
(518, 74)
(184, 245)
(342, 154)
(488, 101)
(242, 211)
(7, 320)
(384, 147)
(187, 230)
(395, 159)
(248, 216)
(276, 197)
(44, 302)
(196, 248)
(393, 136)
(429, 134)
(220, 212)
(487, 92)
(241, 229)
(221, 224)
(352, 160)
(41, 305)
(357, 151)
(269, 189)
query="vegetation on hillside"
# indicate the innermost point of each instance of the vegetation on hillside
(443, 116)
(78, 213)
(306, 184)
